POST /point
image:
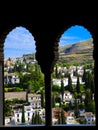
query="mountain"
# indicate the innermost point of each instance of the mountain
(79, 52)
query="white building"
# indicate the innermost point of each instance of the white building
(11, 78)
(66, 97)
(34, 100)
(89, 117)
(18, 116)
(74, 80)
(65, 81)
(58, 81)
(29, 112)
(71, 120)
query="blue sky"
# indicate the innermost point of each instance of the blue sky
(74, 34)
(20, 41)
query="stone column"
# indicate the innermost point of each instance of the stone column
(1, 96)
(48, 100)
(47, 55)
(1, 82)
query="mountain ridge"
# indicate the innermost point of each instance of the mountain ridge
(77, 47)
(80, 52)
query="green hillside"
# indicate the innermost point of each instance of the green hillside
(81, 52)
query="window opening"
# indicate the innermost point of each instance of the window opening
(24, 93)
(73, 86)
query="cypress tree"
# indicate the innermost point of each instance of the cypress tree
(78, 85)
(62, 89)
(33, 119)
(23, 114)
(42, 99)
(56, 72)
(70, 83)
(53, 101)
(84, 75)
(59, 119)
(62, 117)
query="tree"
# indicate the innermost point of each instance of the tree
(27, 67)
(53, 101)
(62, 89)
(76, 108)
(33, 119)
(88, 80)
(23, 114)
(75, 73)
(78, 85)
(92, 84)
(91, 107)
(56, 88)
(56, 71)
(87, 98)
(61, 118)
(37, 119)
(7, 108)
(70, 88)
(42, 99)
(84, 75)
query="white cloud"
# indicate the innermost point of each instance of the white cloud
(68, 40)
(20, 41)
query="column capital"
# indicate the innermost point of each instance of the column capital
(46, 55)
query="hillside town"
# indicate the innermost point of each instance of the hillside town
(73, 99)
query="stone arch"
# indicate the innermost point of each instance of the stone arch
(91, 29)
(43, 34)
(2, 41)
(27, 33)
(5, 33)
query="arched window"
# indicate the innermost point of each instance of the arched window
(47, 54)
(73, 84)
(24, 92)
